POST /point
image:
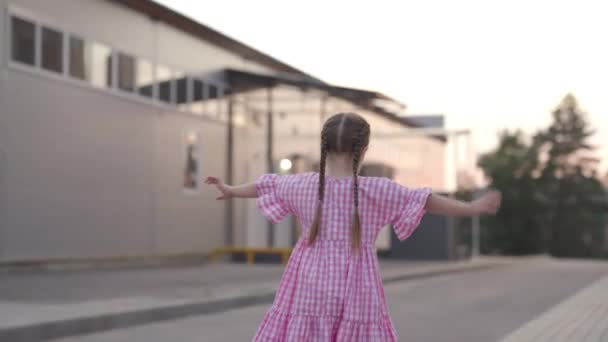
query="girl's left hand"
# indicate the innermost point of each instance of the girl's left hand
(226, 190)
(488, 203)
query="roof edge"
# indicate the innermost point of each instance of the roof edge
(163, 13)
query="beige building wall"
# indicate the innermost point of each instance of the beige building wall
(297, 121)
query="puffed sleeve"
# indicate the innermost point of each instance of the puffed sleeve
(270, 202)
(408, 208)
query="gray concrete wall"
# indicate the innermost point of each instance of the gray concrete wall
(86, 172)
(3, 166)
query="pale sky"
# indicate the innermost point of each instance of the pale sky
(486, 65)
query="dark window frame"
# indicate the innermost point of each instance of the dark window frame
(129, 62)
(32, 60)
(50, 50)
(60, 68)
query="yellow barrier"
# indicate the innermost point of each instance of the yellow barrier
(250, 252)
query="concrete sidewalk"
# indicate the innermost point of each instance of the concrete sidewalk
(37, 306)
(581, 318)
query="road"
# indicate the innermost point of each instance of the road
(472, 306)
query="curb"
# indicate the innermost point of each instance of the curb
(429, 274)
(100, 323)
(103, 263)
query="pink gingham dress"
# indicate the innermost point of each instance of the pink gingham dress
(328, 292)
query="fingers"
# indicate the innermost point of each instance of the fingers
(212, 180)
(218, 184)
(494, 198)
(489, 202)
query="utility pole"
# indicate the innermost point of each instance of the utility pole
(475, 230)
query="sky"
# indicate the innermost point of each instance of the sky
(486, 65)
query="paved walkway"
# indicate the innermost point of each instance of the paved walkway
(36, 306)
(581, 318)
(481, 306)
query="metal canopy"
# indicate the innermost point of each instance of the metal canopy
(241, 81)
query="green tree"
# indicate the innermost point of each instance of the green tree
(575, 217)
(516, 229)
(553, 200)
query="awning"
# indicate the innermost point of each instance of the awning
(241, 81)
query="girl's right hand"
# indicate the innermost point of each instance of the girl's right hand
(226, 190)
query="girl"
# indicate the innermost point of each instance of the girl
(331, 289)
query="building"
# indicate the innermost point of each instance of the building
(112, 112)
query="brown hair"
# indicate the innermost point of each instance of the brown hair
(342, 133)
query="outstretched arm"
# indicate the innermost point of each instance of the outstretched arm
(231, 191)
(486, 204)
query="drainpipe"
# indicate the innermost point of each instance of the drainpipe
(269, 152)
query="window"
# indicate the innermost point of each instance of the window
(101, 65)
(23, 41)
(96, 64)
(177, 83)
(212, 92)
(191, 167)
(163, 79)
(79, 61)
(126, 72)
(198, 96)
(182, 93)
(145, 78)
(52, 50)
(198, 90)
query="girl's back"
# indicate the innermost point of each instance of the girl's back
(381, 202)
(329, 288)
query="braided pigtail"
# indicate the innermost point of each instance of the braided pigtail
(356, 224)
(316, 225)
(347, 135)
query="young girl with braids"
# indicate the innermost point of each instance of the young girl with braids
(331, 289)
